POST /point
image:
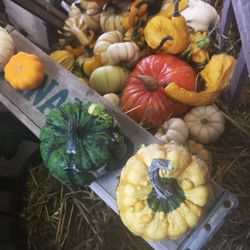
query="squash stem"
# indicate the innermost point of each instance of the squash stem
(176, 8)
(71, 140)
(167, 38)
(149, 82)
(162, 190)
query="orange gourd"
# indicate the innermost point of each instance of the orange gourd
(24, 71)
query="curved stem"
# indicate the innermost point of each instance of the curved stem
(162, 191)
(163, 41)
(176, 8)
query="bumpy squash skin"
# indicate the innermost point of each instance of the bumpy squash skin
(98, 143)
(144, 211)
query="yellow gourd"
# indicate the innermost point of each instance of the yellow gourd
(64, 58)
(216, 74)
(169, 35)
(24, 71)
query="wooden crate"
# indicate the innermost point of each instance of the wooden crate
(59, 86)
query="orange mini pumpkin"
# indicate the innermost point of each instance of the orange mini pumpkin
(24, 71)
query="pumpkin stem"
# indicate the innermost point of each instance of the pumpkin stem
(149, 82)
(176, 8)
(71, 141)
(162, 190)
(71, 146)
(163, 41)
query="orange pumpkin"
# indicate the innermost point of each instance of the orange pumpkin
(24, 71)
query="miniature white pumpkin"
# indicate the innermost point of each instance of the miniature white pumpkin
(113, 98)
(205, 123)
(104, 41)
(173, 129)
(6, 48)
(123, 52)
(200, 16)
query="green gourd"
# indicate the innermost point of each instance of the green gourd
(80, 142)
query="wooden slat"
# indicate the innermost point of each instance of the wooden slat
(226, 17)
(242, 14)
(238, 79)
(61, 86)
(36, 10)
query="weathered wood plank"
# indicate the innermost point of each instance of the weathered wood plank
(24, 20)
(238, 79)
(226, 17)
(242, 14)
(60, 86)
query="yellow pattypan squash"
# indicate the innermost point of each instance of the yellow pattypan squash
(24, 71)
(163, 191)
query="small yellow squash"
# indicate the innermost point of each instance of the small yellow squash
(163, 191)
(24, 71)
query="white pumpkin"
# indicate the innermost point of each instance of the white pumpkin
(6, 48)
(113, 98)
(173, 129)
(123, 52)
(200, 16)
(104, 41)
(205, 123)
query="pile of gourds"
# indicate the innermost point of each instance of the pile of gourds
(149, 58)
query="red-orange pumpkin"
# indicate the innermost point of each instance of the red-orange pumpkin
(143, 98)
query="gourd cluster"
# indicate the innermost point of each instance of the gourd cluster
(153, 59)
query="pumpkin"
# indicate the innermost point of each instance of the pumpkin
(79, 142)
(108, 79)
(173, 129)
(198, 150)
(6, 48)
(163, 192)
(118, 53)
(24, 71)
(216, 74)
(169, 35)
(113, 98)
(205, 123)
(104, 41)
(143, 98)
(63, 57)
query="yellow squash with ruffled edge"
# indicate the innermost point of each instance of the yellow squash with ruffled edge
(163, 191)
(217, 75)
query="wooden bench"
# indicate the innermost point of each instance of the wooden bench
(59, 86)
